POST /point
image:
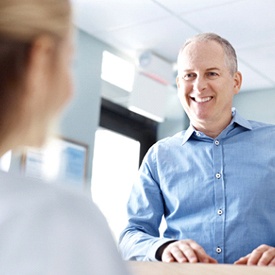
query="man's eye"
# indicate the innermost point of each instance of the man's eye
(189, 76)
(212, 75)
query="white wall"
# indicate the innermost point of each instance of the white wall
(256, 105)
(81, 119)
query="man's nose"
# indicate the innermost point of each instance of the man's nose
(200, 83)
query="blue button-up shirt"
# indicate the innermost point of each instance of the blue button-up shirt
(219, 192)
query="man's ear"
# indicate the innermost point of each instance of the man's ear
(237, 82)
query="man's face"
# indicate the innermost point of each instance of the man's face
(205, 85)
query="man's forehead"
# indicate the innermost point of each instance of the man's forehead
(203, 53)
(202, 46)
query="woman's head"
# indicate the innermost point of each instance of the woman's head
(23, 20)
(34, 56)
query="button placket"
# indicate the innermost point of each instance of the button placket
(219, 190)
(220, 212)
(217, 142)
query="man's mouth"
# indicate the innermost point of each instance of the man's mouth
(201, 99)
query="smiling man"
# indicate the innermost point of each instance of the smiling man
(207, 81)
(214, 182)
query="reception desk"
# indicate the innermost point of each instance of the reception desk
(159, 268)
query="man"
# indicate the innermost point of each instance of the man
(215, 182)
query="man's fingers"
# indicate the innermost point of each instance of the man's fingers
(255, 256)
(201, 254)
(173, 254)
(168, 258)
(272, 263)
(180, 253)
(242, 260)
(186, 251)
(189, 252)
(267, 255)
(263, 255)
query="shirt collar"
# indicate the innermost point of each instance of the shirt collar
(188, 133)
(236, 118)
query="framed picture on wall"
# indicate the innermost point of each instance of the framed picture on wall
(61, 160)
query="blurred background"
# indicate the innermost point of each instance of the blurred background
(125, 94)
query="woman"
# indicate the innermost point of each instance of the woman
(43, 229)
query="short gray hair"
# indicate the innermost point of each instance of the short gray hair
(230, 53)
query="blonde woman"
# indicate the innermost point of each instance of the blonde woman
(43, 229)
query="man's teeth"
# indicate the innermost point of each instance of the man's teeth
(204, 99)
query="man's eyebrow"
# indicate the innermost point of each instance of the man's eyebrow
(213, 68)
(188, 70)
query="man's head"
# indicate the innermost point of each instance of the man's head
(207, 81)
(230, 54)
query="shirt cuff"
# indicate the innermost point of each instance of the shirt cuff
(151, 256)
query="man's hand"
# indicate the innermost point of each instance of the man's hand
(185, 251)
(263, 255)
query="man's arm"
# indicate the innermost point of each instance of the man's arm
(140, 239)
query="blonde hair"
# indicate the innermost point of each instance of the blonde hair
(21, 23)
(23, 20)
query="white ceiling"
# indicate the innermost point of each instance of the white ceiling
(163, 25)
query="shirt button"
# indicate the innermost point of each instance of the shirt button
(218, 175)
(220, 212)
(217, 142)
(218, 250)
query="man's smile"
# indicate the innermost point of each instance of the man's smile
(201, 99)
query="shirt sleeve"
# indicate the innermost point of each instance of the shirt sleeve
(141, 239)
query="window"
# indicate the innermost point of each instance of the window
(115, 165)
(5, 161)
(117, 71)
(120, 145)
